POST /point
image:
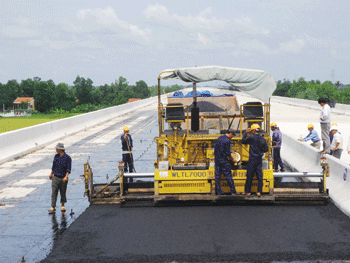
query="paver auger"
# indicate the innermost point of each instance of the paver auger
(184, 167)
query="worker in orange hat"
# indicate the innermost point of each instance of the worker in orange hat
(257, 148)
(313, 136)
(127, 146)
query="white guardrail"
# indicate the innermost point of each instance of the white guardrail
(339, 108)
(19, 142)
(305, 158)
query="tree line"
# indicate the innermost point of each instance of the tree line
(83, 96)
(313, 90)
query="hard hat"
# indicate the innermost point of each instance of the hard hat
(310, 126)
(334, 127)
(255, 126)
(126, 128)
(334, 124)
(273, 124)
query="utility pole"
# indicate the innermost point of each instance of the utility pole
(332, 75)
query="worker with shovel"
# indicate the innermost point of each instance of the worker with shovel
(127, 155)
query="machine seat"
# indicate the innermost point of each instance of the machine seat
(176, 113)
(253, 113)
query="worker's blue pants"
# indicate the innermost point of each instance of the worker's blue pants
(128, 162)
(254, 166)
(277, 161)
(223, 168)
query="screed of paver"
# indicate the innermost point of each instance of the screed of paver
(26, 182)
(15, 192)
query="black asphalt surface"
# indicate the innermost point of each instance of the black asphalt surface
(108, 233)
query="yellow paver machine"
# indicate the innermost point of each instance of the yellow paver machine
(184, 165)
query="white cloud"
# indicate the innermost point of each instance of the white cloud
(204, 20)
(108, 18)
(70, 26)
(254, 45)
(293, 46)
(203, 39)
(22, 20)
(35, 43)
(18, 31)
(246, 24)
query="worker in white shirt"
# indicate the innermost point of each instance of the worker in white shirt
(337, 143)
(325, 121)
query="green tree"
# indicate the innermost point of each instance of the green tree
(327, 90)
(43, 94)
(297, 86)
(141, 90)
(282, 88)
(97, 95)
(27, 87)
(62, 98)
(12, 91)
(311, 94)
(83, 90)
(120, 88)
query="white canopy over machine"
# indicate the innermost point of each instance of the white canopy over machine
(257, 83)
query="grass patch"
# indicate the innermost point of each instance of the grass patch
(15, 123)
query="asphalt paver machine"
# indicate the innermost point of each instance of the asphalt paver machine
(184, 165)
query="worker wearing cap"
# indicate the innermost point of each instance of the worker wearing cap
(325, 122)
(61, 168)
(222, 166)
(258, 147)
(277, 143)
(127, 147)
(337, 143)
(313, 136)
(331, 134)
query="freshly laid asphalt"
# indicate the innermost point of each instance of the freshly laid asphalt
(108, 233)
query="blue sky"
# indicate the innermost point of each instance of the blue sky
(103, 40)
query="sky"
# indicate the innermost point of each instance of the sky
(103, 40)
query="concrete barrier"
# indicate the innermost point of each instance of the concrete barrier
(305, 158)
(19, 142)
(339, 108)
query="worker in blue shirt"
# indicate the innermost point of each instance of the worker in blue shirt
(258, 147)
(61, 168)
(313, 136)
(127, 146)
(276, 143)
(222, 154)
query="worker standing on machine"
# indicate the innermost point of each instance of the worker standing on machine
(127, 155)
(325, 122)
(222, 154)
(277, 143)
(258, 147)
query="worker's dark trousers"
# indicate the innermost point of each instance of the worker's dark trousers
(254, 166)
(128, 162)
(58, 185)
(277, 161)
(223, 168)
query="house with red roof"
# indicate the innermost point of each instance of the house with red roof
(28, 100)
